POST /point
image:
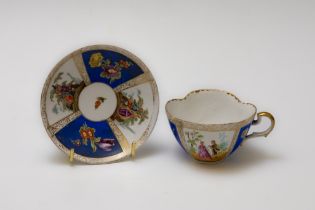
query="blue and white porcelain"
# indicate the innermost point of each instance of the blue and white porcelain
(99, 104)
(211, 124)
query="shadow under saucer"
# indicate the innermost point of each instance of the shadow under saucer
(60, 158)
(150, 148)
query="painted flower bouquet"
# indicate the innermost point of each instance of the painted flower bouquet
(111, 71)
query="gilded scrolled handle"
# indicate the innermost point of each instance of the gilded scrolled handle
(258, 120)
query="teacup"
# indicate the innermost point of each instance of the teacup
(211, 124)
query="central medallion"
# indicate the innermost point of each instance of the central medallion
(97, 102)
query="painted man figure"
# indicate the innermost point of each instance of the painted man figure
(214, 148)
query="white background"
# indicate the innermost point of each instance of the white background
(262, 51)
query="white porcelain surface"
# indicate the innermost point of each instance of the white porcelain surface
(210, 107)
(88, 102)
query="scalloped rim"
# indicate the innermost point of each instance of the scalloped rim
(171, 116)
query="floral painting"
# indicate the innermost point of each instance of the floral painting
(206, 148)
(64, 92)
(110, 70)
(130, 110)
(88, 138)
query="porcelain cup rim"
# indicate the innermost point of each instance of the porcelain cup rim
(244, 121)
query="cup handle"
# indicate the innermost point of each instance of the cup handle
(258, 120)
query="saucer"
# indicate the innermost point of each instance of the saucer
(99, 104)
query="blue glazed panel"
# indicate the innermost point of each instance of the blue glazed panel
(95, 73)
(175, 132)
(240, 138)
(71, 133)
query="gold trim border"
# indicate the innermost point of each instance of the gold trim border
(212, 127)
(78, 60)
(119, 136)
(139, 80)
(54, 128)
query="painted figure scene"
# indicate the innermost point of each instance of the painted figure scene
(207, 147)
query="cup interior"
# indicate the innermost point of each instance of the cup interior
(210, 107)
